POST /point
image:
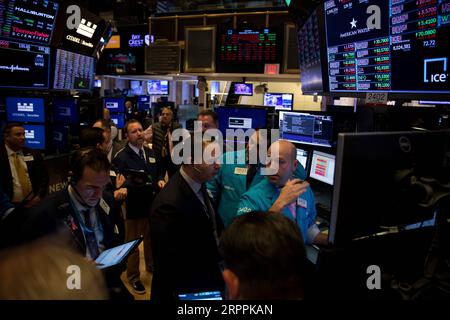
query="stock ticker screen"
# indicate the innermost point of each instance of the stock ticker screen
(73, 71)
(24, 66)
(247, 50)
(28, 20)
(399, 46)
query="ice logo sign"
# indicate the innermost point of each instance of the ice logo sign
(429, 70)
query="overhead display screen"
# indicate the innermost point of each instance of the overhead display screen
(398, 46)
(24, 66)
(247, 50)
(73, 71)
(28, 20)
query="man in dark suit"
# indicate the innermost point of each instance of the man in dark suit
(139, 164)
(24, 175)
(184, 232)
(79, 213)
(111, 146)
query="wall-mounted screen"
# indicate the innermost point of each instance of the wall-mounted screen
(401, 47)
(118, 119)
(160, 87)
(114, 105)
(65, 110)
(243, 89)
(247, 50)
(306, 128)
(121, 62)
(28, 20)
(281, 101)
(24, 66)
(34, 136)
(73, 71)
(82, 35)
(25, 109)
(322, 167)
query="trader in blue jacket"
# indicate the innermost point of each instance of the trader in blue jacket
(238, 176)
(280, 193)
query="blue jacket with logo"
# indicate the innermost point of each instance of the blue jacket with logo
(230, 184)
(262, 196)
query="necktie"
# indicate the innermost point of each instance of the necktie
(141, 154)
(251, 172)
(91, 240)
(209, 211)
(24, 181)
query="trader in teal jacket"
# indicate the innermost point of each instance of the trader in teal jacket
(236, 177)
(279, 193)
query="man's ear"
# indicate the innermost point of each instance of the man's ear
(232, 284)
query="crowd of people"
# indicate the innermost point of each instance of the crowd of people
(205, 226)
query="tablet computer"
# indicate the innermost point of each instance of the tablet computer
(204, 295)
(116, 255)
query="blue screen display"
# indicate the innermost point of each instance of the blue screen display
(65, 110)
(25, 110)
(115, 104)
(34, 136)
(60, 137)
(119, 120)
(158, 87)
(241, 118)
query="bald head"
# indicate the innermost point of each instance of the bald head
(284, 152)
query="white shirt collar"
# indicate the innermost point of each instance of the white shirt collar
(10, 152)
(195, 186)
(136, 149)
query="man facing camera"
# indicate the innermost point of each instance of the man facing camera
(25, 178)
(184, 230)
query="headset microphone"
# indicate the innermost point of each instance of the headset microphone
(198, 170)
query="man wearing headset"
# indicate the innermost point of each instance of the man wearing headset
(78, 215)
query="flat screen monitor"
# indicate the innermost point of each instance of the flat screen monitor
(24, 66)
(114, 104)
(306, 128)
(25, 109)
(98, 83)
(28, 20)
(311, 53)
(122, 62)
(389, 46)
(158, 87)
(241, 118)
(118, 119)
(281, 101)
(322, 167)
(65, 110)
(60, 137)
(243, 89)
(247, 50)
(34, 136)
(387, 179)
(302, 157)
(73, 71)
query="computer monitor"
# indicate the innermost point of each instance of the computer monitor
(306, 128)
(387, 179)
(243, 89)
(34, 136)
(158, 87)
(281, 101)
(241, 118)
(118, 119)
(25, 109)
(114, 104)
(73, 71)
(322, 167)
(65, 110)
(302, 157)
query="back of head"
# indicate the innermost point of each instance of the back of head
(266, 253)
(88, 157)
(46, 271)
(91, 137)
